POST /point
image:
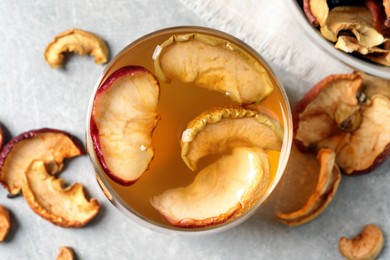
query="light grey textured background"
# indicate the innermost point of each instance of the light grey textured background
(32, 95)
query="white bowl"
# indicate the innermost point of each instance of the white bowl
(350, 60)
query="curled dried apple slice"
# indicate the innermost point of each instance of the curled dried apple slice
(46, 196)
(328, 182)
(49, 145)
(356, 126)
(221, 129)
(356, 19)
(316, 11)
(222, 190)
(214, 64)
(124, 115)
(77, 41)
(330, 106)
(368, 146)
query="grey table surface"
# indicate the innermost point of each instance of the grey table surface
(32, 95)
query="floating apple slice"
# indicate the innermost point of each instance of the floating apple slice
(47, 197)
(214, 64)
(221, 129)
(356, 126)
(48, 145)
(123, 117)
(328, 182)
(220, 191)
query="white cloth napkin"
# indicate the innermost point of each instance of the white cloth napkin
(270, 28)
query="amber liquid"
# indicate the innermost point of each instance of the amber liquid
(179, 103)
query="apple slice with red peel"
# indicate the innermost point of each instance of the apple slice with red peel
(48, 145)
(220, 129)
(368, 146)
(316, 11)
(214, 64)
(46, 196)
(329, 106)
(124, 115)
(334, 114)
(221, 191)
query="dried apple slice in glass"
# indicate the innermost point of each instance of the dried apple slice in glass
(66, 207)
(220, 191)
(214, 64)
(124, 115)
(49, 145)
(334, 115)
(328, 182)
(221, 129)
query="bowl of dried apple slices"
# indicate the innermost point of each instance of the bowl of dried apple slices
(355, 32)
(189, 130)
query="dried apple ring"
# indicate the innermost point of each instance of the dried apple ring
(222, 190)
(49, 145)
(221, 129)
(214, 64)
(334, 114)
(124, 115)
(77, 41)
(328, 182)
(63, 207)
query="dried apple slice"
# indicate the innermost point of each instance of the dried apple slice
(328, 182)
(356, 19)
(124, 115)
(368, 146)
(350, 44)
(46, 196)
(5, 223)
(316, 11)
(214, 64)
(334, 115)
(330, 106)
(221, 129)
(77, 41)
(220, 191)
(49, 145)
